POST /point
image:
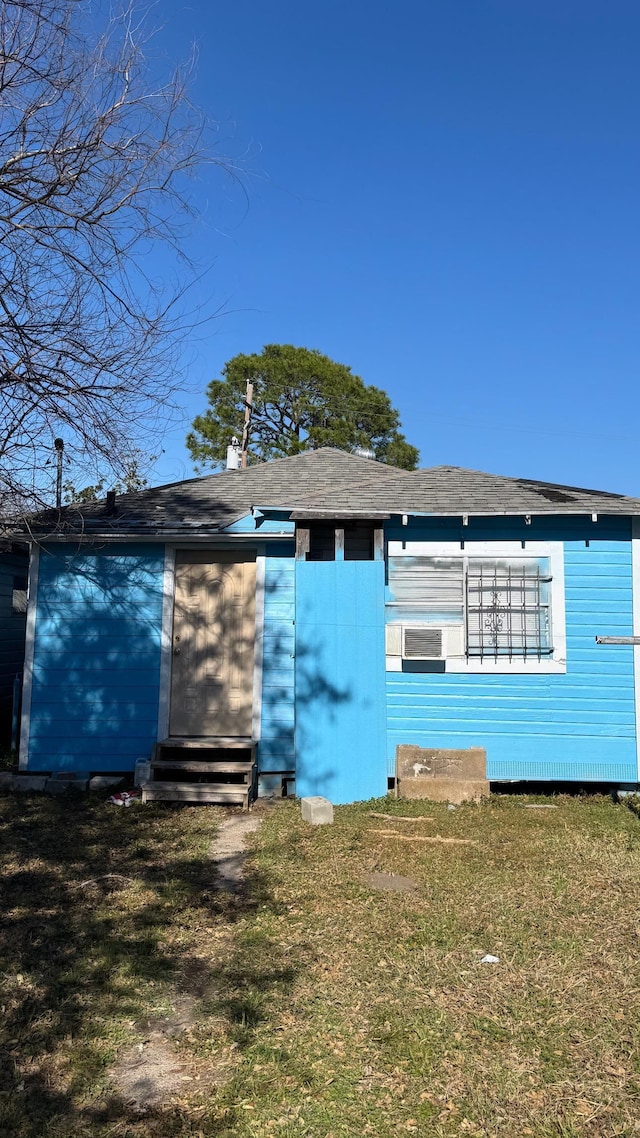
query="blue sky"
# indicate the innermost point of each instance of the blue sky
(443, 195)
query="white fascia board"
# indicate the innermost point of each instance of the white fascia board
(583, 512)
(218, 539)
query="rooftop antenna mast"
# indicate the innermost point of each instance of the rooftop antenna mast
(59, 445)
(248, 406)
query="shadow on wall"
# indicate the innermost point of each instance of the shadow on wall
(297, 690)
(94, 703)
(96, 684)
(92, 900)
(319, 702)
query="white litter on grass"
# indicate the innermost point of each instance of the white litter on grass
(489, 959)
(125, 798)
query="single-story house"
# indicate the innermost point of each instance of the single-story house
(324, 609)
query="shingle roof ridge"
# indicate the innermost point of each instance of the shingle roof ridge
(132, 496)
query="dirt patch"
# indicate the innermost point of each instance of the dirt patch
(391, 882)
(228, 851)
(151, 1073)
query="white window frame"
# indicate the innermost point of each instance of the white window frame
(556, 662)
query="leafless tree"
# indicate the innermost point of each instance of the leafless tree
(94, 166)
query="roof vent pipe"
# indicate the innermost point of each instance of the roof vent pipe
(234, 455)
(110, 507)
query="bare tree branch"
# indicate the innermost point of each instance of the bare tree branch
(94, 165)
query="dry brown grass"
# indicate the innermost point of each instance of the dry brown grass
(321, 1005)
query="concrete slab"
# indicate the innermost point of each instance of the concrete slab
(56, 786)
(316, 810)
(455, 790)
(30, 782)
(440, 762)
(6, 780)
(105, 781)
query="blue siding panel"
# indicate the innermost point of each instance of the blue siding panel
(96, 674)
(340, 680)
(579, 725)
(276, 751)
(276, 522)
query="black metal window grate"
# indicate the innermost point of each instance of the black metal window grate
(508, 609)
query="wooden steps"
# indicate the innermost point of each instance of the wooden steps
(201, 766)
(220, 793)
(205, 769)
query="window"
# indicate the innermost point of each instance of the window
(340, 540)
(19, 596)
(495, 606)
(322, 545)
(508, 608)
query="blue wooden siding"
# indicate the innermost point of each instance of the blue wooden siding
(340, 679)
(578, 725)
(94, 703)
(276, 751)
(276, 522)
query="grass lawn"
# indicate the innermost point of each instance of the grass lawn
(320, 1002)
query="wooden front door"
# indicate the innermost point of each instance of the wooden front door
(213, 644)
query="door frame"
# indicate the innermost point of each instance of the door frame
(166, 641)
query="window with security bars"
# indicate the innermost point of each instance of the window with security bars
(503, 604)
(508, 608)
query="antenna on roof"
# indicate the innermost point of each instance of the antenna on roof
(59, 445)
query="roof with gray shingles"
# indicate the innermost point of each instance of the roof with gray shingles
(208, 504)
(452, 490)
(324, 483)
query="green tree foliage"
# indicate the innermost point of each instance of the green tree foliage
(131, 480)
(302, 400)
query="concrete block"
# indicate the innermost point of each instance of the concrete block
(105, 781)
(30, 782)
(316, 810)
(455, 790)
(441, 763)
(62, 785)
(57, 786)
(269, 785)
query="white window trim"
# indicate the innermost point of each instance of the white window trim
(554, 550)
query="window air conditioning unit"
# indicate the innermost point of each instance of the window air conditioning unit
(424, 641)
